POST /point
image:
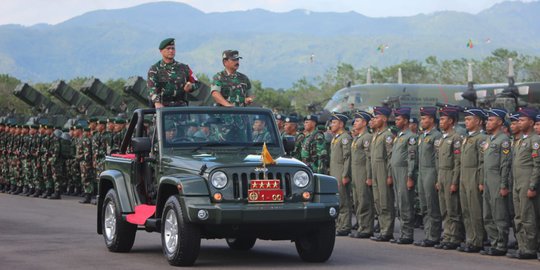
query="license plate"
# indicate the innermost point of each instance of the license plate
(264, 191)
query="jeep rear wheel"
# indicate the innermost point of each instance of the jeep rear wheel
(180, 240)
(318, 245)
(119, 235)
(241, 243)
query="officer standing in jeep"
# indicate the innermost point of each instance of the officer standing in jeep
(169, 81)
(230, 87)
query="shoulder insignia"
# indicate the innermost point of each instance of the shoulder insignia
(506, 151)
(366, 143)
(412, 140)
(437, 142)
(389, 139)
(485, 146)
(465, 141)
(536, 146)
(457, 144)
(344, 141)
(482, 144)
(505, 144)
(449, 141)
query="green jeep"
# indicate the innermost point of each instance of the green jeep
(197, 172)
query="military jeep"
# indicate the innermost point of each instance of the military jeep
(197, 172)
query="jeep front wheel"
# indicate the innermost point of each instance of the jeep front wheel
(317, 246)
(241, 243)
(180, 239)
(119, 235)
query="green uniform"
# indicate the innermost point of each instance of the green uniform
(404, 165)
(84, 154)
(58, 181)
(383, 194)
(526, 172)
(233, 87)
(314, 151)
(448, 168)
(166, 83)
(261, 136)
(497, 166)
(340, 167)
(427, 177)
(45, 153)
(472, 173)
(362, 193)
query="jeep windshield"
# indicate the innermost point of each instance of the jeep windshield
(234, 128)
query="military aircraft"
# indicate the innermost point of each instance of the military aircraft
(509, 96)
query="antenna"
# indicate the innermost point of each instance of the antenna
(469, 74)
(368, 76)
(399, 76)
(510, 68)
(470, 93)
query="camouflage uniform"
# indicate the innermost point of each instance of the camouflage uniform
(84, 154)
(233, 87)
(75, 166)
(100, 148)
(37, 165)
(45, 154)
(313, 151)
(3, 140)
(261, 136)
(57, 167)
(166, 83)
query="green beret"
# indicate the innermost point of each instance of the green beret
(119, 121)
(65, 129)
(169, 125)
(78, 127)
(34, 126)
(166, 42)
(2, 124)
(102, 121)
(192, 123)
(25, 126)
(86, 129)
(93, 119)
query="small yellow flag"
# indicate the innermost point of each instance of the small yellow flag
(266, 157)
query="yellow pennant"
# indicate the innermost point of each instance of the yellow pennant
(266, 157)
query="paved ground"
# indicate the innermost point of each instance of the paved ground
(45, 234)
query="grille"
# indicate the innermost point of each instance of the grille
(241, 182)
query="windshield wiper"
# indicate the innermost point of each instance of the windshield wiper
(210, 145)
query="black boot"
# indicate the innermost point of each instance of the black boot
(17, 191)
(86, 199)
(31, 191)
(55, 196)
(12, 189)
(1, 188)
(46, 194)
(37, 193)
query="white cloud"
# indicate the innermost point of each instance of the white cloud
(29, 12)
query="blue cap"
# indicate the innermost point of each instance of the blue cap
(364, 115)
(279, 116)
(382, 111)
(527, 112)
(501, 113)
(475, 112)
(413, 120)
(311, 117)
(428, 111)
(338, 116)
(449, 111)
(403, 112)
(537, 119)
(514, 117)
(291, 119)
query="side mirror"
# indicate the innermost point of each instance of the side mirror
(288, 144)
(141, 145)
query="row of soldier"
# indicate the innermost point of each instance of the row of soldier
(473, 185)
(47, 162)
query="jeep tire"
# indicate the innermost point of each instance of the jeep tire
(317, 245)
(241, 243)
(180, 240)
(119, 235)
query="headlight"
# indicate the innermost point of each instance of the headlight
(301, 179)
(219, 180)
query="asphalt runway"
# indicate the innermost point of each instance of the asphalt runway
(47, 234)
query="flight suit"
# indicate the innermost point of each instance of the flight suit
(448, 168)
(383, 195)
(404, 165)
(526, 172)
(497, 166)
(427, 177)
(472, 170)
(362, 193)
(340, 167)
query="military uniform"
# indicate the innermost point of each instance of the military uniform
(383, 194)
(497, 166)
(85, 155)
(340, 167)
(360, 172)
(166, 81)
(45, 153)
(404, 165)
(57, 166)
(448, 168)
(427, 177)
(261, 136)
(526, 172)
(235, 87)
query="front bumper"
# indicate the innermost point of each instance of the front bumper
(263, 213)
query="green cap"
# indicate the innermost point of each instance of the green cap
(86, 129)
(78, 127)
(93, 119)
(34, 126)
(102, 121)
(119, 121)
(166, 42)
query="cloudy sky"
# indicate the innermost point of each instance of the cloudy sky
(29, 12)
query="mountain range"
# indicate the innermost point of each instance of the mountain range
(277, 48)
